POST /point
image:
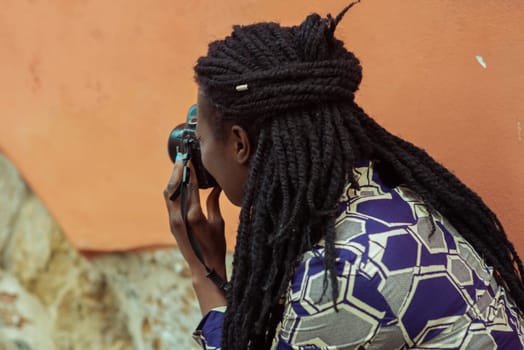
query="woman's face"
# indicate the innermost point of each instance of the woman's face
(224, 156)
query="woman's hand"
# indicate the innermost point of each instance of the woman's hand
(209, 232)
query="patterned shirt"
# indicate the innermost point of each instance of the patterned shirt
(402, 284)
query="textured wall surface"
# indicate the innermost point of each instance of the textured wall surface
(53, 298)
(91, 88)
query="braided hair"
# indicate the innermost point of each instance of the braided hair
(292, 89)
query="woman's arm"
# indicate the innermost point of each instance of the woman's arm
(209, 233)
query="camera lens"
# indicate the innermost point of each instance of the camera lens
(182, 139)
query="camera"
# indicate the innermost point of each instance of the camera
(182, 139)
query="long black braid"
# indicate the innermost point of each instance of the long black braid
(292, 89)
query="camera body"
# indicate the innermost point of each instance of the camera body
(182, 139)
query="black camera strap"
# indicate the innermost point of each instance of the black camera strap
(183, 189)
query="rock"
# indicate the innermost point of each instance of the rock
(85, 311)
(12, 193)
(89, 315)
(162, 287)
(49, 279)
(29, 247)
(24, 321)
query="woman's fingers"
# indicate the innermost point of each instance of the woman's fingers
(195, 216)
(172, 201)
(213, 207)
(174, 181)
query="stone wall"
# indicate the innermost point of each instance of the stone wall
(52, 297)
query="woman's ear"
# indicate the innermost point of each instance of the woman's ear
(241, 144)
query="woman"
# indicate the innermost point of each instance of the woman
(349, 236)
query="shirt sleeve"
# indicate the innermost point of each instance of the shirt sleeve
(363, 319)
(208, 333)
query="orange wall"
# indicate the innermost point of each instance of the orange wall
(90, 90)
